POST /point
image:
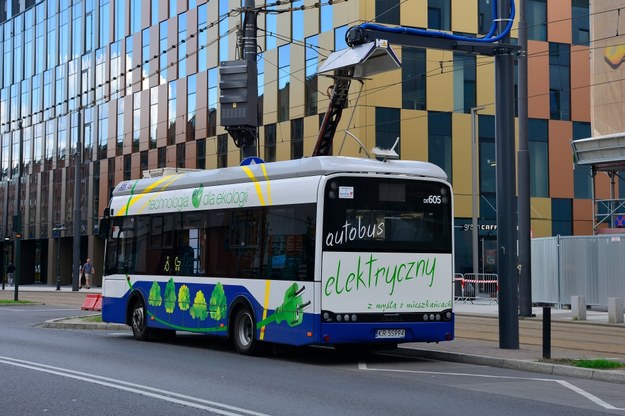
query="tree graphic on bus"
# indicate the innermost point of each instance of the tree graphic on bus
(290, 311)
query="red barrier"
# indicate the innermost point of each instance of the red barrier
(91, 301)
(98, 304)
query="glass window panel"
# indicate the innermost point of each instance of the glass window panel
(145, 59)
(202, 38)
(339, 38)
(191, 106)
(439, 141)
(297, 138)
(559, 81)
(387, 11)
(212, 101)
(439, 14)
(284, 80)
(582, 175)
(581, 22)
(536, 14)
(171, 111)
(64, 43)
(312, 60)
(153, 116)
(154, 11)
(129, 65)
(89, 35)
(297, 21)
(136, 121)
(270, 143)
(326, 16)
(103, 130)
(487, 164)
(539, 168)
(464, 82)
(120, 128)
(413, 78)
(135, 16)
(224, 8)
(163, 46)
(485, 15)
(105, 22)
(120, 20)
(261, 89)
(387, 128)
(271, 28)
(182, 45)
(562, 214)
(172, 7)
(52, 52)
(77, 31)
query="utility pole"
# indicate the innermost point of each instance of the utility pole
(77, 180)
(506, 200)
(239, 88)
(525, 253)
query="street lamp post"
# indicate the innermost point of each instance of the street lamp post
(57, 233)
(475, 199)
(6, 259)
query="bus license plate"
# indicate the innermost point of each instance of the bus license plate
(390, 333)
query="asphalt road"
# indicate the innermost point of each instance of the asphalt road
(95, 372)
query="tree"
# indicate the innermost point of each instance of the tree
(218, 302)
(199, 310)
(170, 296)
(184, 298)
(155, 298)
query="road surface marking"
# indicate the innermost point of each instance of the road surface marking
(584, 393)
(22, 309)
(166, 395)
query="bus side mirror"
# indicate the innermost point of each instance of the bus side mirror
(105, 225)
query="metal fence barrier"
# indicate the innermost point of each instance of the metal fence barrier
(471, 287)
(589, 266)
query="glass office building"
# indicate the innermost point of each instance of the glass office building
(112, 88)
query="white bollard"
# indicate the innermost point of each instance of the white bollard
(615, 310)
(578, 307)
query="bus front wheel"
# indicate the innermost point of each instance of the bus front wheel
(140, 328)
(243, 333)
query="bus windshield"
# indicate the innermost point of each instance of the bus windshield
(387, 215)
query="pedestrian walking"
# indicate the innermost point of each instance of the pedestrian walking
(10, 273)
(87, 271)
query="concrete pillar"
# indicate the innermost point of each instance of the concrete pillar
(615, 310)
(578, 307)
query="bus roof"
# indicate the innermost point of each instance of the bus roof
(313, 166)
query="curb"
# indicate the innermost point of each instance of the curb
(553, 320)
(65, 323)
(609, 376)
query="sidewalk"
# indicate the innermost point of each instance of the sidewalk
(476, 342)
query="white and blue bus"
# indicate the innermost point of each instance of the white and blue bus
(317, 251)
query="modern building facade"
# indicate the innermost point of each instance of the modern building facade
(118, 87)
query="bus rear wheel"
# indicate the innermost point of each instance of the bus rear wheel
(244, 333)
(138, 321)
